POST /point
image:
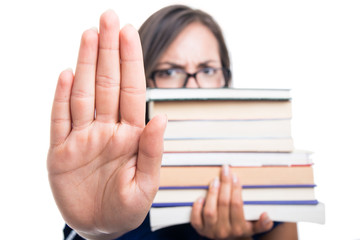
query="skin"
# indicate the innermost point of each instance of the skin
(104, 168)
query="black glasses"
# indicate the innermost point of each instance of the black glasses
(177, 78)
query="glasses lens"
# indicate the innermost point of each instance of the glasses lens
(211, 78)
(170, 78)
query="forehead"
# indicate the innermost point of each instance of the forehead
(194, 44)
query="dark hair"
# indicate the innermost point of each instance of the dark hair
(162, 27)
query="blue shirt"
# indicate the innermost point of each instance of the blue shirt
(177, 232)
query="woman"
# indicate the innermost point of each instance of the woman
(171, 34)
(104, 164)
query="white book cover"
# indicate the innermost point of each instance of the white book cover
(206, 129)
(241, 159)
(190, 195)
(156, 94)
(168, 216)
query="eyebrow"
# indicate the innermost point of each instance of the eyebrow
(175, 65)
(172, 65)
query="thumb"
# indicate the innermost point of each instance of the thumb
(263, 224)
(151, 148)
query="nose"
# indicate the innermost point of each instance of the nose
(192, 83)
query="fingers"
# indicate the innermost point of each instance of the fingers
(210, 211)
(216, 210)
(82, 94)
(238, 223)
(108, 69)
(60, 116)
(150, 154)
(133, 84)
(99, 58)
(222, 214)
(204, 216)
(225, 196)
(196, 219)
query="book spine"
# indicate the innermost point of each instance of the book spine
(184, 204)
(244, 186)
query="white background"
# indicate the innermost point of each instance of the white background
(312, 47)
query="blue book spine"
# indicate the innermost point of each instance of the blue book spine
(186, 204)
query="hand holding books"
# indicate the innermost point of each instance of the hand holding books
(276, 179)
(221, 215)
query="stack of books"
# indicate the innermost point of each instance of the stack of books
(248, 129)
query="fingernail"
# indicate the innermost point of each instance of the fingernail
(165, 119)
(129, 25)
(94, 29)
(235, 179)
(266, 220)
(215, 183)
(225, 170)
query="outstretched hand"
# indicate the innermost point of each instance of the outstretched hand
(103, 162)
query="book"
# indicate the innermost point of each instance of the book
(229, 145)
(228, 129)
(202, 175)
(223, 134)
(250, 159)
(220, 109)
(247, 128)
(224, 103)
(157, 94)
(178, 195)
(167, 216)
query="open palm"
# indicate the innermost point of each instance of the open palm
(103, 161)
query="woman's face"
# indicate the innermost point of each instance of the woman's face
(194, 51)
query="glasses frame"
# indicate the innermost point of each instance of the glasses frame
(226, 73)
